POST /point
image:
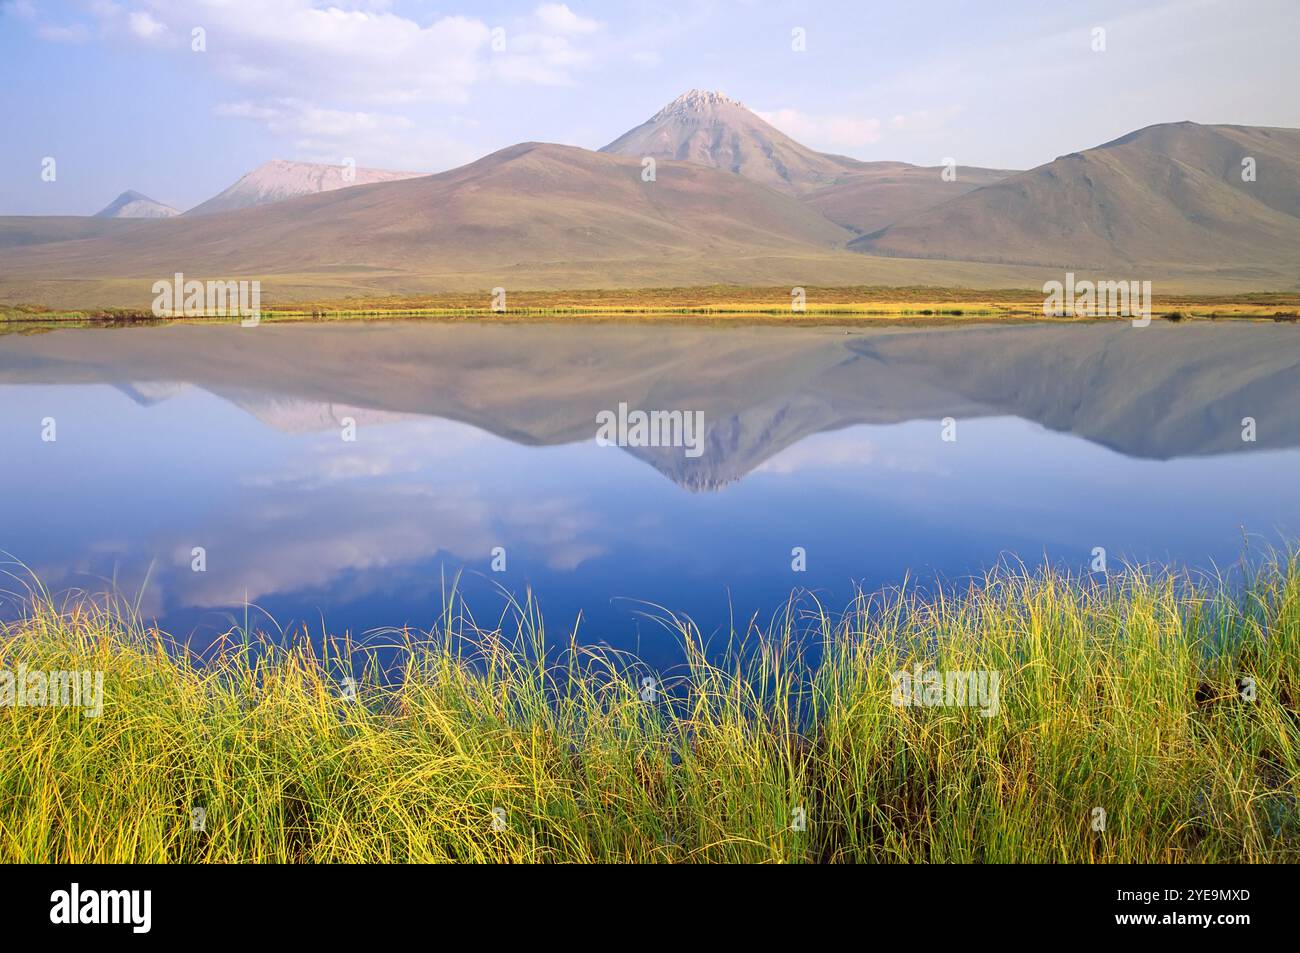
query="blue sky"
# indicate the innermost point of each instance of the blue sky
(115, 93)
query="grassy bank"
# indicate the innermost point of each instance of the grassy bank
(1125, 697)
(715, 303)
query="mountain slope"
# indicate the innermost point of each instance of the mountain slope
(885, 192)
(1165, 194)
(1167, 199)
(711, 129)
(280, 179)
(131, 204)
(19, 230)
(529, 203)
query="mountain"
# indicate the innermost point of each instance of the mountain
(532, 202)
(761, 390)
(1167, 201)
(280, 179)
(19, 230)
(131, 204)
(1166, 194)
(886, 192)
(712, 129)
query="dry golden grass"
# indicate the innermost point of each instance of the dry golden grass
(721, 303)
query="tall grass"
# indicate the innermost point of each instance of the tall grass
(1125, 696)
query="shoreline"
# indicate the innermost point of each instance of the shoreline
(710, 304)
(1145, 719)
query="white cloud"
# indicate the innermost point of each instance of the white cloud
(546, 60)
(333, 76)
(145, 26)
(295, 48)
(540, 49)
(346, 77)
(361, 53)
(558, 18)
(412, 515)
(315, 123)
(924, 120)
(378, 139)
(846, 449)
(825, 132)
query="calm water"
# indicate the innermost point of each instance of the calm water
(470, 437)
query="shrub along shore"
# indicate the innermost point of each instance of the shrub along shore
(1027, 717)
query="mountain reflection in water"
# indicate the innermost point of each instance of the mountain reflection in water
(475, 436)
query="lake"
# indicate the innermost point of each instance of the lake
(340, 475)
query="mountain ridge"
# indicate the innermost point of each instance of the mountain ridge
(133, 204)
(536, 201)
(278, 179)
(1168, 199)
(1170, 192)
(712, 129)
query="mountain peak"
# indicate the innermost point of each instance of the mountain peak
(696, 101)
(710, 128)
(133, 204)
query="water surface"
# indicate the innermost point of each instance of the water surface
(470, 437)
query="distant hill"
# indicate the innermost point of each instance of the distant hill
(17, 231)
(131, 204)
(1165, 194)
(280, 179)
(532, 202)
(887, 192)
(734, 201)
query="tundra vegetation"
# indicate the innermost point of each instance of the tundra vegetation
(1141, 717)
(720, 303)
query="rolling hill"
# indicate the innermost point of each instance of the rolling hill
(532, 202)
(871, 198)
(734, 201)
(1165, 194)
(17, 231)
(280, 179)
